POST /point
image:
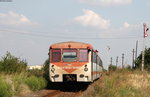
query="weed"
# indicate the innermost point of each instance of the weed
(35, 83)
(119, 84)
(5, 90)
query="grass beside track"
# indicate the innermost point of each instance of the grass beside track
(123, 83)
(19, 84)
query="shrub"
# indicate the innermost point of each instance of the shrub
(36, 72)
(11, 64)
(43, 83)
(5, 90)
(112, 68)
(46, 70)
(36, 83)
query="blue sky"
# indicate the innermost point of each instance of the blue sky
(29, 27)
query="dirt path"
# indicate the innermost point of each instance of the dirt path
(64, 90)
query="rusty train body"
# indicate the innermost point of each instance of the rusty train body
(74, 61)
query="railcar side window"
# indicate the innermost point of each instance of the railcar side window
(69, 55)
(94, 57)
(83, 55)
(56, 55)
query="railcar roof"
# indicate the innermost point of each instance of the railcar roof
(71, 44)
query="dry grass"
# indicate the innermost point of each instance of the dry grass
(24, 90)
(139, 80)
(17, 83)
(123, 84)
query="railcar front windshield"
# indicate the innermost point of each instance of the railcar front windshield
(69, 55)
(83, 55)
(56, 55)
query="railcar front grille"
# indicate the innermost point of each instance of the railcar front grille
(69, 77)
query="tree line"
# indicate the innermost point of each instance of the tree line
(138, 62)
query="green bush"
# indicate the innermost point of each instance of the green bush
(46, 70)
(14, 76)
(36, 72)
(11, 64)
(36, 83)
(112, 68)
(5, 89)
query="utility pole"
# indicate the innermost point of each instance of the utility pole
(122, 60)
(136, 49)
(133, 59)
(111, 61)
(110, 66)
(143, 52)
(116, 61)
(144, 36)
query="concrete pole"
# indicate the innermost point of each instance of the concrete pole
(122, 60)
(116, 61)
(133, 59)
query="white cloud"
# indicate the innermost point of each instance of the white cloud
(126, 30)
(14, 19)
(126, 25)
(91, 18)
(148, 3)
(107, 2)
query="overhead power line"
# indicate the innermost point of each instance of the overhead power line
(63, 37)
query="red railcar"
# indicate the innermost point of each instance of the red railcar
(74, 61)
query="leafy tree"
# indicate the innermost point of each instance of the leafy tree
(138, 61)
(112, 68)
(46, 69)
(11, 64)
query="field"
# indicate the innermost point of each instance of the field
(122, 83)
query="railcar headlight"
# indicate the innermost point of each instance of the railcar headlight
(85, 69)
(52, 68)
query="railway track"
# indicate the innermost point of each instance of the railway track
(66, 90)
(61, 90)
(53, 94)
(63, 94)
